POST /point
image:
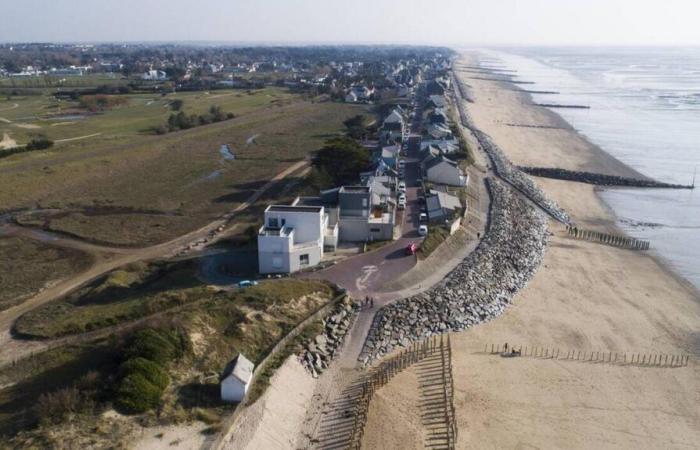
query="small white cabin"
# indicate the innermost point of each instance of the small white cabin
(236, 379)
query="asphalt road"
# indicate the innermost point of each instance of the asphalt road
(365, 274)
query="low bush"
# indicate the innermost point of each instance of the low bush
(160, 346)
(135, 394)
(154, 373)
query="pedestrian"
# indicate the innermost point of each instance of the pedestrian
(371, 302)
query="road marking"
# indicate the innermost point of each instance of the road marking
(361, 281)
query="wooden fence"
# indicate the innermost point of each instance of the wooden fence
(387, 369)
(608, 239)
(609, 357)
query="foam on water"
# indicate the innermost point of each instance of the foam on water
(645, 111)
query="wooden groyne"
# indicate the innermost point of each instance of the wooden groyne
(597, 179)
(607, 239)
(523, 125)
(557, 105)
(661, 360)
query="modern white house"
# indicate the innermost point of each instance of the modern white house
(294, 237)
(236, 379)
(442, 170)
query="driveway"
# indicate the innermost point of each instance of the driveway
(365, 274)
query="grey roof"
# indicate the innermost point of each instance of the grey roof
(432, 162)
(445, 200)
(240, 367)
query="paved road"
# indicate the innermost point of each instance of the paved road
(365, 274)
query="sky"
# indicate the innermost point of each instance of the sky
(444, 22)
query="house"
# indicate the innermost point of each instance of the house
(443, 171)
(439, 131)
(364, 215)
(390, 155)
(441, 206)
(435, 87)
(236, 379)
(438, 115)
(294, 237)
(154, 75)
(437, 101)
(361, 92)
(394, 126)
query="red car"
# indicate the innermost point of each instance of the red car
(411, 249)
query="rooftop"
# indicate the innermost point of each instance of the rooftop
(294, 208)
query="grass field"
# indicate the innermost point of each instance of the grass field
(28, 116)
(26, 266)
(180, 179)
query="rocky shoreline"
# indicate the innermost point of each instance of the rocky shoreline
(320, 350)
(479, 288)
(597, 179)
(509, 172)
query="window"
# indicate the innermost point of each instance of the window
(304, 259)
(375, 230)
(364, 202)
(272, 222)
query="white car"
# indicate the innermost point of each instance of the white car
(423, 230)
(402, 203)
(402, 187)
(402, 163)
(423, 217)
(402, 198)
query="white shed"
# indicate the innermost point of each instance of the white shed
(236, 379)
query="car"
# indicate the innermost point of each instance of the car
(423, 217)
(423, 230)
(247, 283)
(402, 198)
(402, 203)
(402, 186)
(401, 175)
(411, 249)
(402, 163)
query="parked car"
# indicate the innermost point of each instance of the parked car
(402, 198)
(423, 217)
(402, 163)
(423, 230)
(247, 283)
(402, 187)
(402, 203)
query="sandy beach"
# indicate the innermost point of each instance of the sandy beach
(585, 297)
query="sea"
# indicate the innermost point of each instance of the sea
(645, 111)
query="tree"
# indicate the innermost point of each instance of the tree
(357, 126)
(343, 159)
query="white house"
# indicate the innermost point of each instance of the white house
(154, 75)
(443, 171)
(236, 379)
(293, 237)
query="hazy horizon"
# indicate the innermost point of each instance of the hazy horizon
(308, 22)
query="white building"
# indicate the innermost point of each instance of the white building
(236, 379)
(154, 75)
(293, 237)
